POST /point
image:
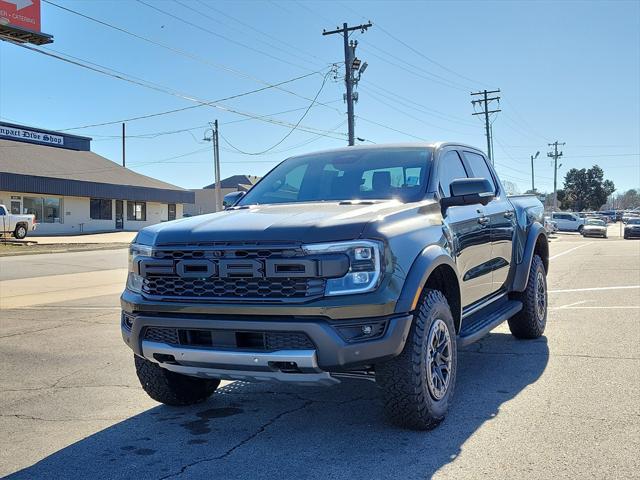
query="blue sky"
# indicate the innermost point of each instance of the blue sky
(567, 70)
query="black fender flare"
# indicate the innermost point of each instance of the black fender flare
(521, 272)
(423, 266)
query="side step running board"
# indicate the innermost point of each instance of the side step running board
(482, 322)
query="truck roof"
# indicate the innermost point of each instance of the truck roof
(379, 146)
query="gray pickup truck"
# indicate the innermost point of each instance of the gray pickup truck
(367, 262)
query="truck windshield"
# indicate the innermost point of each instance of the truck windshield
(367, 174)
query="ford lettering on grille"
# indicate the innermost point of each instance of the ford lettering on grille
(230, 268)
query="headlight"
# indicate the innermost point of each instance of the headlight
(364, 270)
(134, 280)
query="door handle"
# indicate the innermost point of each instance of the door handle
(508, 214)
(483, 220)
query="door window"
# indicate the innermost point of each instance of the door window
(171, 208)
(479, 167)
(450, 168)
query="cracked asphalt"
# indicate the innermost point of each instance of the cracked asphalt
(564, 406)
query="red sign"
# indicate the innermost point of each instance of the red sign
(21, 14)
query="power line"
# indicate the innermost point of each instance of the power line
(391, 128)
(152, 135)
(190, 107)
(404, 112)
(415, 73)
(216, 34)
(434, 77)
(265, 34)
(412, 104)
(183, 52)
(165, 90)
(293, 129)
(418, 52)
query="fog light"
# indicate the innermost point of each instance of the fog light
(360, 278)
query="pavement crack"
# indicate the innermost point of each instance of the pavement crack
(42, 419)
(243, 442)
(561, 355)
(34, 331)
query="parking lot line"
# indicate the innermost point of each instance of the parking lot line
(569, 251)
(598, 307)
(594, 289)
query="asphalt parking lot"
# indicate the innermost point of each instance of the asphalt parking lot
(564, 406)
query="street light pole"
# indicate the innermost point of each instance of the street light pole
(533, 185)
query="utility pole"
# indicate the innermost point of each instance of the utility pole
(533, 184)
(555, 155)
(124, 161)
(485, 100)
(217, 192)
(351, 66)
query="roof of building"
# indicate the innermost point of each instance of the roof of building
(19, 159)
(236, 181)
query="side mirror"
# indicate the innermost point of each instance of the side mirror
(468, 191)
(230, 199)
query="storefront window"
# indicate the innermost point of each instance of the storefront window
(136, 211)
(100, 209)
(32, 206)
(46, 210)
(51, 208)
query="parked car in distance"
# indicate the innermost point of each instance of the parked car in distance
(16, 225)
(551, 226)
(632, 228)
(568, 221)
(371, 262)
(626, 216)
(594, 227)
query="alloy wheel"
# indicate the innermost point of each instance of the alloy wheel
(439, 359)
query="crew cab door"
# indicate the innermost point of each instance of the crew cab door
(501, 220)
(467, 229)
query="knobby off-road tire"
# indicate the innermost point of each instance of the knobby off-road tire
(411, 397)
(20, 232)
(532, 319)
(172, 388)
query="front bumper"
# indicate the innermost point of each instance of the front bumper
(632, 232)
(331, 352)
(594, 233)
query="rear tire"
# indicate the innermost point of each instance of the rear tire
(580, 229)
(20, 232)
(172, 388)
(532, 319)
(417, 386)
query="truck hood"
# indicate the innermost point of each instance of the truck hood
(297, 223)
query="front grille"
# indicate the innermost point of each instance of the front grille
(162, 335)
(170, 285)
(247, 340)
(230, 288)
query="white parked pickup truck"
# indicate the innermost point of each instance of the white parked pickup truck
(16, 225)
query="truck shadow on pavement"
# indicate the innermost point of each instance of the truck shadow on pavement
(271, 430)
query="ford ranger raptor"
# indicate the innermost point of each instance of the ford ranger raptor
(371, 262)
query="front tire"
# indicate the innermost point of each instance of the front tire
(580, 229)
(532, 319)
(172, 388)
(20, 232)
(417, 386)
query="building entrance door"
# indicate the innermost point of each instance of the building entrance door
(119, 215)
